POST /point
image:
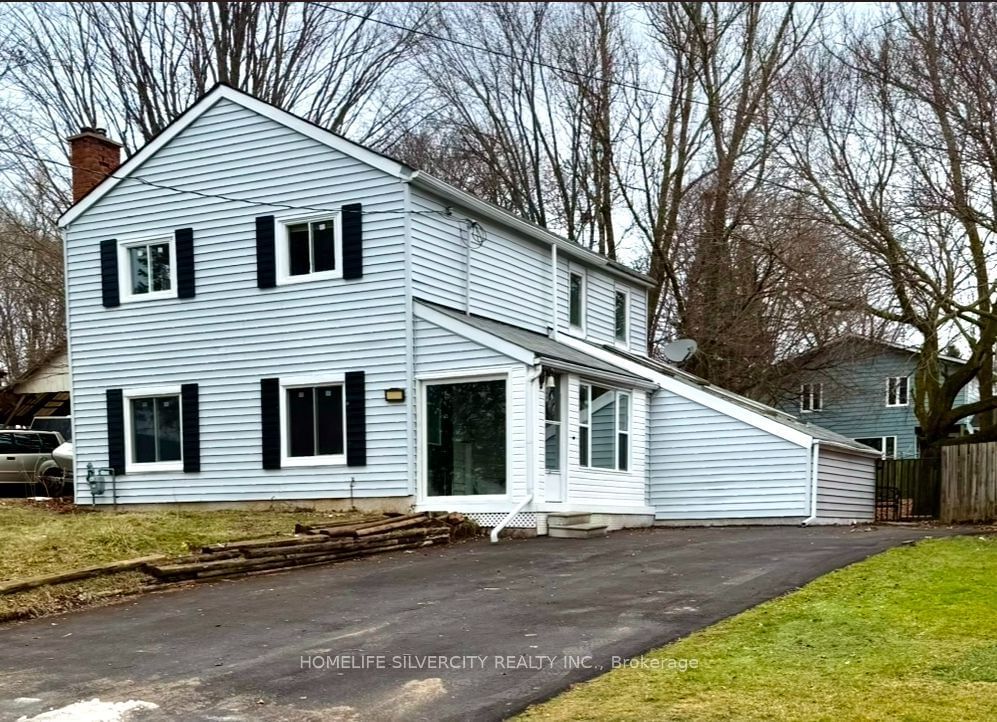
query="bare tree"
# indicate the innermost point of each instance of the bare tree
(527, 91)
(896, 142)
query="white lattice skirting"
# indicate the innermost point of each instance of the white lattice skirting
(523, 520)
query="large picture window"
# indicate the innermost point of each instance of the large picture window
(314, 424)
(153, 430)
(465, 444)
(603, 428)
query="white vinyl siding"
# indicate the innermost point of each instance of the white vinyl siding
(846, 486)
(233, 334)
(510, 276)
(706, 465)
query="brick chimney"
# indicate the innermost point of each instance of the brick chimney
(93, 156)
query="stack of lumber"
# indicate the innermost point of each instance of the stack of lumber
(314, 544)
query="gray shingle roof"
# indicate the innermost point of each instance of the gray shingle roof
(538, 343)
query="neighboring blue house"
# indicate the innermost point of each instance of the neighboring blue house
(867, 396)
(262, 310)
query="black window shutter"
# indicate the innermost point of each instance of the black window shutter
(116, 430)
(353, 241)
(356, 419)
(190, 418)
(266, 253)
(270, 422)
(109, 273)
(184, 242)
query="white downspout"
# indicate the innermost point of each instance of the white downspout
(531, 451)
(553, 290)
(814, 466)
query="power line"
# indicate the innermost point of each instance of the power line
(218, 196)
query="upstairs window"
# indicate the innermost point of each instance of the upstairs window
(811, 398)
(311, 249)
(148, 269)
(576, 301)
(622, 316)
(897, 391)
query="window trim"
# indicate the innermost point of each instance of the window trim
(616, 430)
(906, 402)
(127, 395)
(625, 293)
(433, 378)
(819, 386)
(583, 295)
(125, 269)
(301, 382)
(283, 251)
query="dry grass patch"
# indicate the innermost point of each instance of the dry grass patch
(38, 539)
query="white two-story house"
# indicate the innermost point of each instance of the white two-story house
(262, 310)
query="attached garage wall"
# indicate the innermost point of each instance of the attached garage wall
(705, 465)
(846, 486)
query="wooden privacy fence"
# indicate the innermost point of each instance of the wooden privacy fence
(969, 482)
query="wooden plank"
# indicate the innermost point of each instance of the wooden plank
(20, 585)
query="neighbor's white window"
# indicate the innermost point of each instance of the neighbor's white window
(313, 422)
(147, 269)
(897, 391)
(603, 428)
(576, 300)
(811, 397)
(887, 445)
(622, 310)
(310, 249)
(153, 430)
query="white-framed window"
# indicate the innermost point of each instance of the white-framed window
(576, 300)
(886, 445)
(622, 317)
(811, 398)
(313, 421)
(147, 269)
(553, 412)
(603, 428)
(310, 249)
(153, 429)
(897, 391)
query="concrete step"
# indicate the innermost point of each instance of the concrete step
(577, 531)
(561, 520)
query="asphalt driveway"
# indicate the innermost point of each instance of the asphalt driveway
(474, 631)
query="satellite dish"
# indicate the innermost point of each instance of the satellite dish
(679, 351)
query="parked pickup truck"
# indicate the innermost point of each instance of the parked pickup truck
(26, 459)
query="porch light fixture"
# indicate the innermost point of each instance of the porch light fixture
(394, 396)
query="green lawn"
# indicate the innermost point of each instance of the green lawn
(37, 539)
(907, 635)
